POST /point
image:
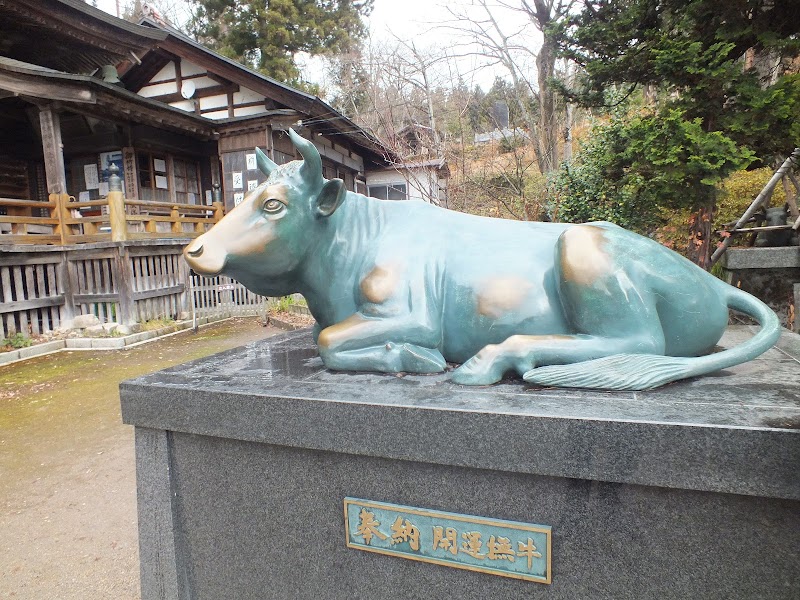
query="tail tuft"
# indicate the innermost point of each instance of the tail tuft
(618, 372)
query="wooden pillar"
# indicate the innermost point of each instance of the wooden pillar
(219, 211)
(116, 207)
(216, 175)
(62, 213)
(173, 193)
(270, 143)
(68, 286)
(175, 216)
(124, 269)
(53, 151)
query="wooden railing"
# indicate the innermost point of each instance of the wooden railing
(114, 218)
(18, 223)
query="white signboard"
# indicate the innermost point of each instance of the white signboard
(237, 198)
(237, 180)
(160, 165)
(251, 162)
(161, 182)
(90, 174)
(252, 184)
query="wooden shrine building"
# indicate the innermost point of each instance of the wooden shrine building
(84, 95)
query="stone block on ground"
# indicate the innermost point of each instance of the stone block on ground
(84, 321)
(129, 329)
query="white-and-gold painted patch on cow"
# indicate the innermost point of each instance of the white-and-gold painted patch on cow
(497, 296)
(381, 283)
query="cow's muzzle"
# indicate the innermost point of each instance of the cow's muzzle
(204, 259)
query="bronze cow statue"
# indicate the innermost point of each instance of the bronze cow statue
(408, 287)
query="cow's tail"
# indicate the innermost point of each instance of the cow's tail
(647, 371)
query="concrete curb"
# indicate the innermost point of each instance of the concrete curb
(281, 324)
(109, 343)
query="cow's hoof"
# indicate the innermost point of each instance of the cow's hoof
(416, 359)
(476, 372)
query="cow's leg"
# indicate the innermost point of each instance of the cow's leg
(608, 312)
(521, 353)
(388, 344)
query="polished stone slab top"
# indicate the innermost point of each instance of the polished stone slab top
(735, 431)
(787, 257)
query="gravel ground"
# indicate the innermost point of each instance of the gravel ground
(67, 481)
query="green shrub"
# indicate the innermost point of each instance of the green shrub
(739, 190)
(736, 193)
(16, 341)
(282, 304)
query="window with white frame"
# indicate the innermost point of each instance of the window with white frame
(390, 191)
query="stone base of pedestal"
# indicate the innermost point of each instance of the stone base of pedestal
(244, 460)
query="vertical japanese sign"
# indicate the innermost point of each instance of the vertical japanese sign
(505, 548)
(129, 173)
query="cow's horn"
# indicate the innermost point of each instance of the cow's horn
(312, 163)
(265, 165)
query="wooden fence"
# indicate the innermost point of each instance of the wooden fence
(114, 218)
(221, 297)
(45, 287)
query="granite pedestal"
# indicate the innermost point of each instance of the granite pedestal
(244, 459)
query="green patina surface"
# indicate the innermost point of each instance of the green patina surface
(495, 546)
(410, 287)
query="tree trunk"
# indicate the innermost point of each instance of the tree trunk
(548, 125)
(699, 251)
(567, 154)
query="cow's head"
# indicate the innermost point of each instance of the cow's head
(264, 240)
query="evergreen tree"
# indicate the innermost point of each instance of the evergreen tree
(727, 85)
(266, 34)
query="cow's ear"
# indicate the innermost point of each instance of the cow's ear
(330, 197)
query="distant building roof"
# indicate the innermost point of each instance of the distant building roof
(500, 134)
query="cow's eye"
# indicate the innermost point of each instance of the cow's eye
(272, 206)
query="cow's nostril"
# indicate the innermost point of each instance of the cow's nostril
(195, 252)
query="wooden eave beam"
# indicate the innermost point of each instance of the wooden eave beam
(214, 90)
(136, 77)
(139, 112)
(23, 85)
(78, 23)
(218, 79)
(254, 123)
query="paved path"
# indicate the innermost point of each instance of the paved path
(67, 483)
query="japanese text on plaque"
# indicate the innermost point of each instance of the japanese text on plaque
(506, 548)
